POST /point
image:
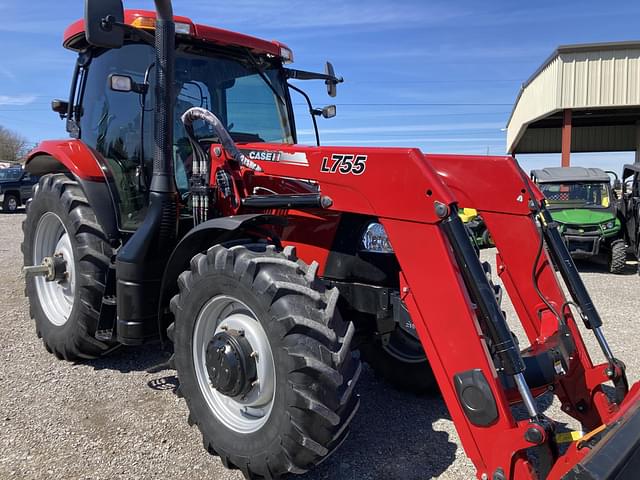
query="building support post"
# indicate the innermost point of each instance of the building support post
(566, 138)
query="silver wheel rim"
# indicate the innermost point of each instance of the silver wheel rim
(12, 204)
(56, 297)
(241, 414)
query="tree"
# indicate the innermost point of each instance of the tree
(13, 146)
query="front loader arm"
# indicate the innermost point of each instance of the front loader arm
(464, 333)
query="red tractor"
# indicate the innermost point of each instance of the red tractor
(183, 209)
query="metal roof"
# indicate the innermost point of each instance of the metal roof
(600, 82)
(570, 174)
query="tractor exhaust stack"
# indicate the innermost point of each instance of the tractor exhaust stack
(139, 264)
(162, 180)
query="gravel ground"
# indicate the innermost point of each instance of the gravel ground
(110, 419)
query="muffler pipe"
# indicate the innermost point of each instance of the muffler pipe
(163, 178)
(140, 263)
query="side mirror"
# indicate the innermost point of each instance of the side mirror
(329, 111)
(331, 85)
(101, 19)
(617, 184)
(326, 112)
(124, 83)
(60, 106)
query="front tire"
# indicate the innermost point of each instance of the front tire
(401, 362)
(61, 221)
(618, 257)
(290, 397)
(10, 204)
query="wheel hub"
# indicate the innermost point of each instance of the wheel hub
(54, 268)
(231, 365)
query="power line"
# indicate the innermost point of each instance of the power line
(406, 82)
(346, 104)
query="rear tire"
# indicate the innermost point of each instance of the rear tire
(618, 257)
(66, 312)
(10, 204)
(486, 239)
(305, 393)
(401, 363)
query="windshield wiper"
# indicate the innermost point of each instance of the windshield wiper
(266, 79)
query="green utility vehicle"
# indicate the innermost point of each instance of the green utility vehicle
(476, 227)
(585, 206)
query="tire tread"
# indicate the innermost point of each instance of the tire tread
(318, 344)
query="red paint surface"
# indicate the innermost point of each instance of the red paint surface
(73, 154)
(400, 187)
(203, 32)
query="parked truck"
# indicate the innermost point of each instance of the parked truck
(16, 187)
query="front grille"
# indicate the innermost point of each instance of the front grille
(582, 230)
(575, 245)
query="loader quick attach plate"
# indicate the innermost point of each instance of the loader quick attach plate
(616, 455)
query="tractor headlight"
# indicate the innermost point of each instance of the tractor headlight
(609, 225)
(375, 239)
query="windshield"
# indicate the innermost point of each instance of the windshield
(10, 173)
(247, 94)
(577, 194)
(247, 97)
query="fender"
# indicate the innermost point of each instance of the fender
(199, 239)
(75, 158)
(61, 156)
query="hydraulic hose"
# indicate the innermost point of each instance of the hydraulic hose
(198, 113)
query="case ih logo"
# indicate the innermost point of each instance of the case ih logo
(344, 164)
(264, 155)
(296, 158)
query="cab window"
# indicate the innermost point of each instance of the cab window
(112, 124)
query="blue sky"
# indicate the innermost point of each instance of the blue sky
(441, 76)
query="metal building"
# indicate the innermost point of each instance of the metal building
(583, 98)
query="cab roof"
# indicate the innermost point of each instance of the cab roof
(569, 174)
(74, 38)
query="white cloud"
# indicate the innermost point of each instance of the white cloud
(457, 53)
(327, 14)
(34, 26)
(415, 140)
(410, 128)
(17, 99)
(7, 73)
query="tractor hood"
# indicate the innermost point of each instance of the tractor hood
(582, 216)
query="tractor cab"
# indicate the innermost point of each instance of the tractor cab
(241, 79)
